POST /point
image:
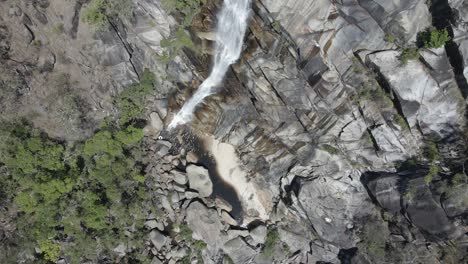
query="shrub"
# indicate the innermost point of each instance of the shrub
(276, 25)
(371, 91)
(98, 11)
(174, 44)
(189, 8)
(458, 178)
(36, 43)
(58, 28)
(49, 250)
(330, 149)
(433, 171)
(409, 54)
(95, 14)
(434, 38)
(431, 151)
(400, 121)
(271, 241)
(373, 237)
(185, 232)
(130, 102)
(390, 38)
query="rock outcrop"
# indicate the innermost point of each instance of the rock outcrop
(298, 157)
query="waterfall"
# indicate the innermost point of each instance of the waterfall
(230, 31)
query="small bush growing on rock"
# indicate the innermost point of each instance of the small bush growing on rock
(433, 171)
(431, 151)
(58, 28)
(95, 14)
(372, 92)
(189, 8)
(409, 54)
(390, 38)
(130, 102)
(373, 238)
(330, 149)
(174, 44)
(433, 38)
(98, 11)
(271, 241)
(36, 43)
(400, 121)
(458, 178)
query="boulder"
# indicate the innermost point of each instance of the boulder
(258, 234)
(162, 148)
(239, 251)
(199, 180)
(204, 223)
(158, 239)
(179, 177)
(384, 187)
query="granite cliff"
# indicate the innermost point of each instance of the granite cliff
(325, 143)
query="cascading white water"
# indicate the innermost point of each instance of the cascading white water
(230, 31)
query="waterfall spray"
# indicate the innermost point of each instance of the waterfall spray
(230, 31)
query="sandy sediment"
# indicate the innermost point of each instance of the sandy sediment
(255, 202)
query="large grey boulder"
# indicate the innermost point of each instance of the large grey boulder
(199, 180)
(384, 187)
(205, 224)
(158, 239)
(239, 251)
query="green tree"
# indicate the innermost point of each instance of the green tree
(130, 135)
(49, 250)
(434, 38)
(102, 143)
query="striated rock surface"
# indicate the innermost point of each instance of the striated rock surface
(299, 158)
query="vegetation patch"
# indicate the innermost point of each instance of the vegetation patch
(371, 91)
(75, 198)
(373, 238)
(401, 122)
(179, 39)
(330, 149)
(433, 171)
(174, 44)
(187, 8)
(433, 38)
(409, 54)
(390, 38)
(97, 12)
(431, 151)
(271, 242)
(197, 246)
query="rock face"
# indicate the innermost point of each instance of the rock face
(429, 96)
(310, 128)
